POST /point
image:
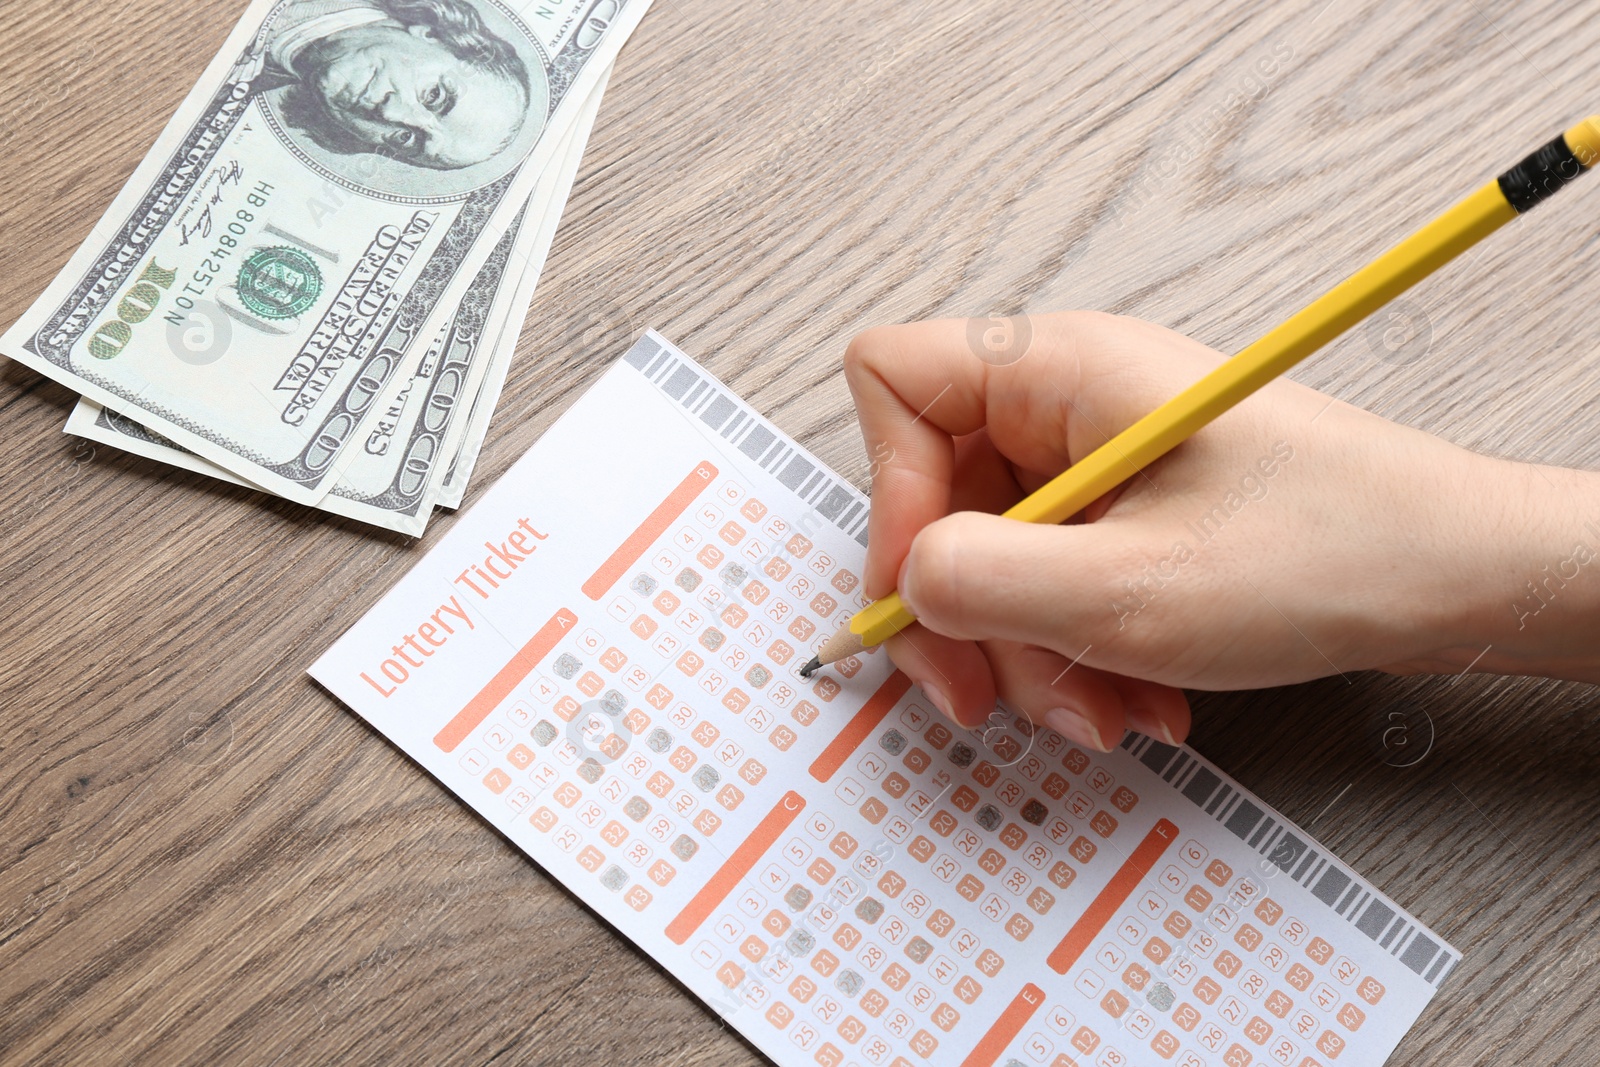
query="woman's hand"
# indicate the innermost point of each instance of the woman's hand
(1294, 537)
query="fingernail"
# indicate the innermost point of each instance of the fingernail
(1074, 727)
(1142, 721)
(903, 584)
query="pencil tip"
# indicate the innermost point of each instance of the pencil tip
(811, 668)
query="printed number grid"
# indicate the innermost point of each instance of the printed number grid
(627, 776)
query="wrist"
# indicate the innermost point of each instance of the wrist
(1528, 599)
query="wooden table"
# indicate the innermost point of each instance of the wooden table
(203, 858)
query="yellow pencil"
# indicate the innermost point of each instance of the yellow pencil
(1464, 224)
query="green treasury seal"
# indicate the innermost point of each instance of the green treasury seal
(279, 282)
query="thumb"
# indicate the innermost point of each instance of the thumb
(982, 577)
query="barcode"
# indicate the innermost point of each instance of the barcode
(1287, 849)
(708, 400)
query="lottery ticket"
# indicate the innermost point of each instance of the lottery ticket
(602, 658)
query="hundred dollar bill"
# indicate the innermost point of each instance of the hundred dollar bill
(432, 411)
(331, 186)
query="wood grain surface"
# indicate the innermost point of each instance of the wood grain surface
(204, 859)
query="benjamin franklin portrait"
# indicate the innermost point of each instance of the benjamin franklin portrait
(425, 83)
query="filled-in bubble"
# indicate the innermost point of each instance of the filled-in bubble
(1160, 997)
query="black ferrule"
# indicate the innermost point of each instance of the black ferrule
(1538, 177)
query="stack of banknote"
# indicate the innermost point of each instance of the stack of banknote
(314, 283)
